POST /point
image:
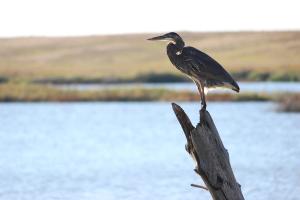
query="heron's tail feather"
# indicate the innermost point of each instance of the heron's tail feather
(236, 89)
(235, 86)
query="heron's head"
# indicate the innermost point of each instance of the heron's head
(170, 37)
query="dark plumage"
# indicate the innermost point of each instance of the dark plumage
(200, 67)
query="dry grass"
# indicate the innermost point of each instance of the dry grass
(128, 56)
(12, 92)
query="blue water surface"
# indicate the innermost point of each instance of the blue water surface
(263, 87)
(110, 151)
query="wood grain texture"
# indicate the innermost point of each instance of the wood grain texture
(212, 159)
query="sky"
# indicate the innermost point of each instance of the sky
(94, 17)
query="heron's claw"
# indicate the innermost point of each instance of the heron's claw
(203, 105)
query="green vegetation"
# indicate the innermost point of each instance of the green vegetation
(143, 78)
(12, 92)
(131, 58)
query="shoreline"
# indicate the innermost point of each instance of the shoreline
(24, 92)
(27, 93)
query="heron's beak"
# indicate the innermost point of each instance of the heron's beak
(162, 37)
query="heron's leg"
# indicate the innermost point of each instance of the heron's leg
(203, 96)
(201, 92)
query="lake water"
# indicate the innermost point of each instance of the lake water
(244, 86)
(112, 151)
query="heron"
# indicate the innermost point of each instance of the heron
(204, 71)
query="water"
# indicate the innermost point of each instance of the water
(267, 87)
(111, 151)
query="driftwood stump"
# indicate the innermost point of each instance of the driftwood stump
(212, 159)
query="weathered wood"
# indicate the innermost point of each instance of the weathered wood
(212, 159)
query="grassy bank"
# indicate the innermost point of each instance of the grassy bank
(131, 58)
(33, 93)
(22, 92)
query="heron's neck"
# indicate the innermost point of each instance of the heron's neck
(174, 53)
(175, 48)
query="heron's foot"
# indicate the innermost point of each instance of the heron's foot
(202, 112)
(203, 108)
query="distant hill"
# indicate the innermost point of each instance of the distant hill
(249, 55)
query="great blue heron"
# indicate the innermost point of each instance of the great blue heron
(200, 67)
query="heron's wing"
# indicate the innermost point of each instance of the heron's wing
(205, 66)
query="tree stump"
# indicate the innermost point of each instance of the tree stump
(212, 159)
